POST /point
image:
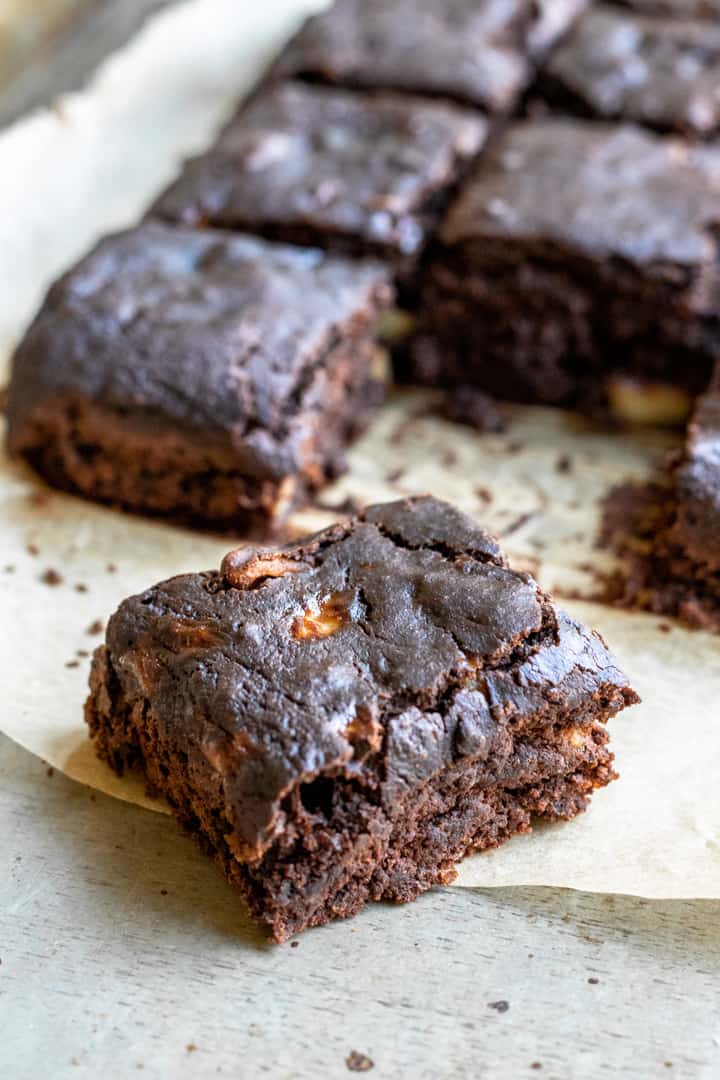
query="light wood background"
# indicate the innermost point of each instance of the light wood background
(123, 953)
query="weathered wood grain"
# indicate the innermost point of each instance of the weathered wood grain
(124, 953)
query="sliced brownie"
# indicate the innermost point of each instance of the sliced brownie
(343, 719)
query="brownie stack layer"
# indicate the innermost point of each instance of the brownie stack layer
(342, 720)
(189, 373)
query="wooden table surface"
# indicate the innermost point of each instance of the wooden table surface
(123, 953)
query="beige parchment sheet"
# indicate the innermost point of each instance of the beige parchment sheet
(91, 164)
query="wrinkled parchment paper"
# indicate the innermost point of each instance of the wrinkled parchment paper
(91, 164)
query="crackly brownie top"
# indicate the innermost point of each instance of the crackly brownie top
(363, 167)
(472, 52)
(596, 190)
(698, 482)
(400, 636)
(215, 332)
(659, 71)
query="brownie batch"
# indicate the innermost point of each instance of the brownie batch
(516, 198)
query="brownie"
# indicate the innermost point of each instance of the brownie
(579, 267)
(668, 531)
(552, 20)
(344, 719)
(689, 9)
(205, 376)
(470, 52)
(661, 72)
(363, 173)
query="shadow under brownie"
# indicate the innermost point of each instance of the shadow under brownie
(209, 377)
(344, 719)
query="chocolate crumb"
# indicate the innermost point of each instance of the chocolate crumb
(484, 494)
(50, 771)
(111, 568)
(32, 549)
(359, 1062)
(349, 505)
(191, 1048)
(564, 464)
(80, 587)
(664, 628)
(51, 577)
(81, 652)
(163, 892)
(593, 981)
(469, 406)
(294, 944)
(449, 458)
(95, 627)
(518, 523)
(499, 1006)
(514, 447)
(72, 663)
(393, 475)
(536, 1065)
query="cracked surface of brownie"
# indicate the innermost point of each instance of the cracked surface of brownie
(314, 165)
(197, 374)
(577, 257)
(344, 719)
(473, 53)
(660, 72)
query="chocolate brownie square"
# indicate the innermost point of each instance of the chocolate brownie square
(668, 531)
(579, 267)
(362, 173)
(209, 377)
(661, 72)
(343, 719)
(470, 52)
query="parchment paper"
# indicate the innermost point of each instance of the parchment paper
(93, 163)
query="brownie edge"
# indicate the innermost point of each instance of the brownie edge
(342, 720)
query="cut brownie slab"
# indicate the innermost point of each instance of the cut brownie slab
(363, 173)
(474, 53)
(343, 720)
(668, 532)
(661, 72)
(579, 267)
(199, 375)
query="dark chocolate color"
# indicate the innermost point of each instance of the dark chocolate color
(475, 53)
(661, 72)
(188, 371)
(359, 172)
(575, 251)
(332, 686)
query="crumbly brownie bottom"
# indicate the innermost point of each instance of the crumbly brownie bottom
(143, 465)
(340, 848)
(657, 575)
